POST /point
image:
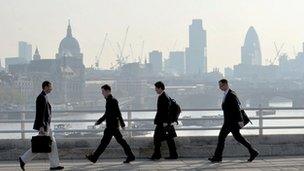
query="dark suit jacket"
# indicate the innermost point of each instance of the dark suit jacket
(43, 112)
(231, 108)
(112, 114)
(162, 114)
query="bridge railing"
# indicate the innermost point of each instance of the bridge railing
(260, 119)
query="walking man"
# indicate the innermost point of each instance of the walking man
(162, 120)
(113, 120)
(42, 124)
(233, 122)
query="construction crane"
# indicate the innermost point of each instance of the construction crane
(169, 49)
(277, 53)
(141, 52)
(98, 55)
(131, 51)
(121, 59)
(113, 49)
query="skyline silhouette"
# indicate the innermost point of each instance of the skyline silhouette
(224, 22)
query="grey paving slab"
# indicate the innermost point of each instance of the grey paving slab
(228, 164)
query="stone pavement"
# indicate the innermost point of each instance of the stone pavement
(261, 163)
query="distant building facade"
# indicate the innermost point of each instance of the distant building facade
(25, 50)
(156, 61)
(196, 53)
(66, 72)
(176, 63)
(251, 51)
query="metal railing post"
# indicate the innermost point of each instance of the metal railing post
(22, 125)
(260, 121)
(129, 121)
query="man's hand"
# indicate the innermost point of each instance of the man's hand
(41, 130)
(97, 123)
(241, 124)
(165, 124)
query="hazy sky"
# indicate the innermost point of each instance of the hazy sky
(159, 23)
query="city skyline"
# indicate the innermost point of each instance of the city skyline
(224, 22)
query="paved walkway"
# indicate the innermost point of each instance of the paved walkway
(265, 164)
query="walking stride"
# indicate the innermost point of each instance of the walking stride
(113, 120)
(42, 124)
(233, 122)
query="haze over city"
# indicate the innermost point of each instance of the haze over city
(162, 25)
(147, 71)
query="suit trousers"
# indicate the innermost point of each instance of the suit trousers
(226, 129)
(53, 156)
(107, 136)
(158, 138)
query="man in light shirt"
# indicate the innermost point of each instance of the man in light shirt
(42, 124)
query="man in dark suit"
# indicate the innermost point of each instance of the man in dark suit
(162, 120)
(233, 122)
(42, 124)
(113, 120)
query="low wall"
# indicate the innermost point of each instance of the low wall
(187, 147)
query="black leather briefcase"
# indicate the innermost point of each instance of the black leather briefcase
(245, 117)
(169, 132)
(41, 144)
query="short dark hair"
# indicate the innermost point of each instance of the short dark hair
(160, 84)
(223, 81)
(106, 87)
(46, 84)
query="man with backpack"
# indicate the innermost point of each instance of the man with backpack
(163, 119)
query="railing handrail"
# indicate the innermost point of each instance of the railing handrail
(144, 119)
(260, 118)
(152, 110)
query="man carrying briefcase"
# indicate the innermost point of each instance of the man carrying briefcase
(234, 119)
(41, 144)
(42, 124)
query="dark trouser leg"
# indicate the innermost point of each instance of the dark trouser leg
(172, 147)
(238, 136)
(221, 142)
(158, 133)
(123, 143)
(107, 136)
(157, 145)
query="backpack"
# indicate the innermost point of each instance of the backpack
(174, 110)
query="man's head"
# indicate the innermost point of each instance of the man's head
(223, 84)
(47, 87)
(106, 90)
(159, 87)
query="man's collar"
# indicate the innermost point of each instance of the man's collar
(43, 92)
(226, 92)
(109, 96)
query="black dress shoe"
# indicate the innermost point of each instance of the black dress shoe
(57, 168)
(91, 158)
(171, 157)
(22, 164)
(129, 159)
(215, 159)
(253, 155)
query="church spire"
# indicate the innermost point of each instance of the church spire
(69, 30)
(36, 56)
